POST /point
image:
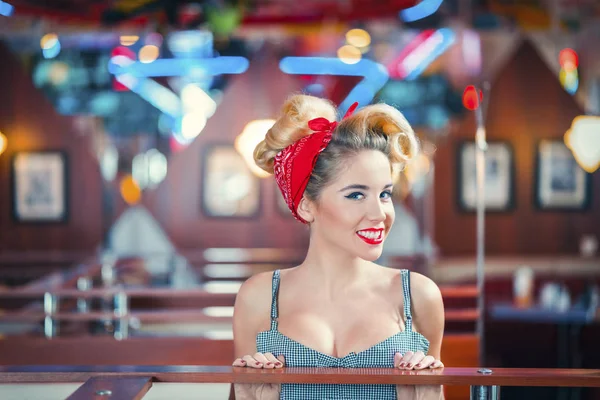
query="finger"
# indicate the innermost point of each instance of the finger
(407, 356)
(425, 362)
(281, 358)
(239, 363)
(397, 359)
(252, 362)
(415, 359)
(260, 357)
(437, 364)
(272, 362)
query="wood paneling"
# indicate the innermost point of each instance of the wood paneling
(108, 351)
(526, 104)
(30, 123)
(459, 351)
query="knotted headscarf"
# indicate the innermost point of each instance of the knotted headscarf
(294, 165)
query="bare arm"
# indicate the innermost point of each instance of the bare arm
(428, 319)
(251, 313)
(428, 311)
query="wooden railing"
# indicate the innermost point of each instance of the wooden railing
(52, 303)
(30, 266)
(37, 294)
(133, 382)
(168, 305)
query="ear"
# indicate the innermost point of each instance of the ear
(306, 210)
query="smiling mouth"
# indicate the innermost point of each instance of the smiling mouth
(371, 236)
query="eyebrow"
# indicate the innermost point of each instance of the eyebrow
(363, 187)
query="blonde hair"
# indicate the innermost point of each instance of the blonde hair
(377, 127)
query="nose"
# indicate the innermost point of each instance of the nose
(376, 211)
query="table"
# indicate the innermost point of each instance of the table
(569, 324)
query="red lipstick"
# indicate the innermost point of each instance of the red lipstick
(371, 236)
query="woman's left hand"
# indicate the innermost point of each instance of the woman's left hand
(416, 361)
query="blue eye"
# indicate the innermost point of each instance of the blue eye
(355, 196)
(387, 195)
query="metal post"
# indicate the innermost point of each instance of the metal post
(50, 308)
(485, 393)
(107, 276)
(121, 309)
(480, 149)
(84, 284)
(107, 273)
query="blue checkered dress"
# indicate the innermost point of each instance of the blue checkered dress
(380, 355)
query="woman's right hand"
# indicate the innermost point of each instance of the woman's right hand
(260, 361)
(258, 391)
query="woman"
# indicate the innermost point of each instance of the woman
(338, 308)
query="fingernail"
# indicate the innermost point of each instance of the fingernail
(278, 364)
(257, 363)
(402, 365)
(418, 365)
(269, 363)
(408, 365)
(243, 362)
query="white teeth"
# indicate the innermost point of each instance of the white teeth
(370, 234)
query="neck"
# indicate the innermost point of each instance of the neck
(332, 269)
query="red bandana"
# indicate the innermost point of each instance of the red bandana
(293, 165)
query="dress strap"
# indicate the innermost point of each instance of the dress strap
(274, 308)
(406, 290)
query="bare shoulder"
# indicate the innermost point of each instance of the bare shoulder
(425, 292)
(253, 301)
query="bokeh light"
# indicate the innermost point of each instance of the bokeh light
(472, 98)
(3, 142)
(130, 190)
(148, 53)
(358, 38)
(349, 54)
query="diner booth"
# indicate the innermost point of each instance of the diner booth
(131, 211)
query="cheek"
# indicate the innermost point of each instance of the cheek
(340, 216)
(390, 216)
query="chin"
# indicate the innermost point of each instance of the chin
(371, 255)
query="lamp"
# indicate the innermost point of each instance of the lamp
(3, 142)
(245, 143)
(583, 139)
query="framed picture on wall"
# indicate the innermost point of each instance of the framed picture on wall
(499, 177)
(560, 183)
(39, 187)
(229, 188)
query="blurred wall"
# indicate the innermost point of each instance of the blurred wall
(176, 203)
(526, 104)
(30, 123)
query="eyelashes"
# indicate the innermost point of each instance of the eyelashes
(355, 196)
(385, 195)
